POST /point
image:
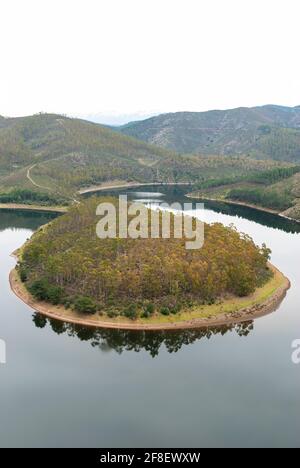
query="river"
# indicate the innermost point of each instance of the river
(67, 386)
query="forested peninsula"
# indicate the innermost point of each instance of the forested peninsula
(65, 271)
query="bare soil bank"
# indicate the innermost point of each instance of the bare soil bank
(233, 310)
(122, 184)
(16, 206)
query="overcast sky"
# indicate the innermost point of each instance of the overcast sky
(147, 56)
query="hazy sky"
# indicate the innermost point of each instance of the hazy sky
(144, 56)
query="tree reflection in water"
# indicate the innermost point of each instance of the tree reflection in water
(151, 341)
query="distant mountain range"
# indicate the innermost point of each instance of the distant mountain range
(259, 132)
(57, 155)
(114, 119)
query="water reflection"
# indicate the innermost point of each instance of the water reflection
(231, 392)
(24, 219)
(127, 340)
(261, 217)
(177, 193)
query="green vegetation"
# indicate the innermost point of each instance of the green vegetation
(281, 144)
(30, 197)
(277, 189)
(261, 197)
(57, 155)
(267, 196)
(137, 278)
(42, 290)
(273, 175)
(47, 158)
(265, 177)
(85, 305)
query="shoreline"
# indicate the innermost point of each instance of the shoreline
(260, 303)
(111, 186)
(39, 208)
(61, 209)
(246, 205)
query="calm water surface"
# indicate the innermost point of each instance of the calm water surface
(70, 386)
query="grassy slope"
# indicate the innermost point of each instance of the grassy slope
(55, 147)
(292, 187)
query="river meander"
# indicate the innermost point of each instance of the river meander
(64, 385)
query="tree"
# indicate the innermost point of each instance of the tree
(85, 305)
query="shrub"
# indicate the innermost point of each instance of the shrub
(173, 304)
(43, 291)
(165, 311)
(145, 314)
(211, 301)
(175, 309)
(31, 197)
(55, 294)
(131, 312)
(85, 305)
(150, 308)
(67, 302)
(23, 274)
(112, 313)
(39, 289)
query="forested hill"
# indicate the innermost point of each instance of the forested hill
(43, 137)
(259, 132)
(46, 158)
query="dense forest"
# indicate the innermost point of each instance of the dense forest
(277, 188)
(31, 197)
(65, 262)
(258, 196)
(264, 189)
(265, 177)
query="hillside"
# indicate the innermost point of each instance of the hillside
(267, 132)
(36, 151)
(276, 189)
(46, 159)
